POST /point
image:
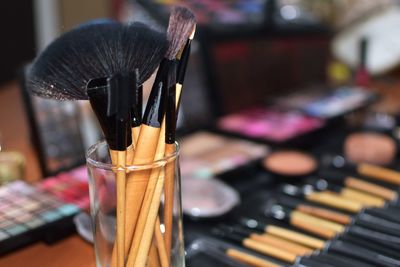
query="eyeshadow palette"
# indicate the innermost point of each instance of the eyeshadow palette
(270, 124)
(41, 211)
(205, 154)
(28, 213)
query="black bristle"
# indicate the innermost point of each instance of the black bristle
(95, 50)
(180, 27)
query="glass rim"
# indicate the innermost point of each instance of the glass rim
(133, 167)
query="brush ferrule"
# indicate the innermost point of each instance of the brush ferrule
(97, 90)
(170, 115)
(183, 62)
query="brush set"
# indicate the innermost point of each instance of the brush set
(107, 63)
(345, 215)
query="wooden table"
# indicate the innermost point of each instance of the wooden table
(71, 252)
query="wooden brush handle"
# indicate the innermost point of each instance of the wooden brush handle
(162, 252)
(318, 222)
(154, 260)
(270, 250)
(335, 201)
(148, 233)
(366, 199)
(379, 173)
(118, 159)
(135, 135)
(297, 249)
(312, 228)
(169, 197)
(248, 259)
(371, 188)
(294, 236)
(330, 215)
(136, 182)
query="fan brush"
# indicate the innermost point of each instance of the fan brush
(95, 50)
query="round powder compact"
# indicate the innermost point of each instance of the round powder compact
(290, 163)
(369, 147)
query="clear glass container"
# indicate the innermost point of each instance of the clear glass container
(153, 236)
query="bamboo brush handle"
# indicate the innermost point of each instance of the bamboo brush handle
(335, 201)
(136, 183)
(270, 250)
(154, 260)
(119, 157)
(312, 228)
(371, 188)
(379, 173)
(296, 215)
(364, 198)
(294, 236)
(148, 232)
(162, 252)
(330, 215)
(248, 259)
(297, 249)
(135, 135)
(147, 202)
(169, 197)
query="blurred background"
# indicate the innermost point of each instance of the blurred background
(277, 73)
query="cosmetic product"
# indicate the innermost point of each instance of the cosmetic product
(206, 154)
(269, 124)
(369, 147)
(29, 214)
(207, 198)
(362, 75)
(289, 163)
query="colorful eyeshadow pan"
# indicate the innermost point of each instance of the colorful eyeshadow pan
(29, 212)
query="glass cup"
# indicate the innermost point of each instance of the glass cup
(152, 231)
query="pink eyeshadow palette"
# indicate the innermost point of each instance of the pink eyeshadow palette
(270, 124)
(205, 154)
(41, 211)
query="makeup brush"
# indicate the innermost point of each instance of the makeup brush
(341, 260)
(265, 238)
(362, 219)
(265, 249)
(283, 232)
(179, 28)
(358, 184)
(92, 51)
(173, 103)
(371, 171)
(366, 199)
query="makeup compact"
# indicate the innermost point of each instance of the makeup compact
(290, 163)
(207, 198)
(205, 154)
(270, 124)
(370, 147)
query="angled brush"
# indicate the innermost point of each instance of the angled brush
(179, 29)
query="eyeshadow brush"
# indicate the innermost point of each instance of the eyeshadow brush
(358, 184)
(179, 28)
(366, 199)
(173, 103)
(361, 219)
(331, 245)
(267, 250)
(272, 240)
(371, 171)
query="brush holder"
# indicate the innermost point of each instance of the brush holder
(161, 236)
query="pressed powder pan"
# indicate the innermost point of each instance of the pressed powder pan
(290, 164)
(369, 147)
